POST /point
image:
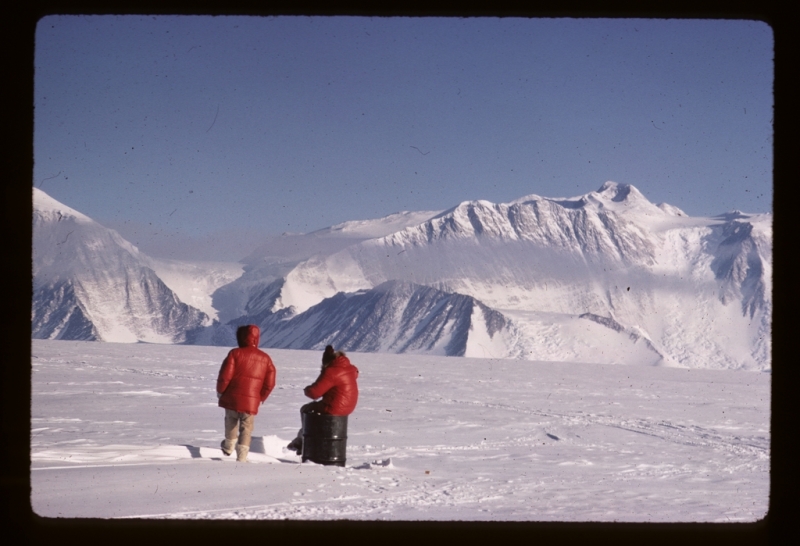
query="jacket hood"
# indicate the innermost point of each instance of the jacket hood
(340, 361)
(248, 336)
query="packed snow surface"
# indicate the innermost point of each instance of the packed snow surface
(133, 431)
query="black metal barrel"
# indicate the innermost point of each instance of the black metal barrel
(325, 438)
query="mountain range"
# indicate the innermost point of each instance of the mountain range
(603, 277)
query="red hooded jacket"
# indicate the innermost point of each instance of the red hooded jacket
(337, 386)
(247, 375)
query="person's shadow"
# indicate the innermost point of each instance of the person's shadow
(256, 446)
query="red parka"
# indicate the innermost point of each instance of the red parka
(247, 375)
(337, 386)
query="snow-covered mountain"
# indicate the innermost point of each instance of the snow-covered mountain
(91, 284)
(394, 317)
(278, 256)
(605, 277)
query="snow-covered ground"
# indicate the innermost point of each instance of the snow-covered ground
(133, 430)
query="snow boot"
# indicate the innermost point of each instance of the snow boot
(227, 446)
(296, 445)
(241, 453)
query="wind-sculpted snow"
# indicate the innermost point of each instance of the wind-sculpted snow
(89, 283)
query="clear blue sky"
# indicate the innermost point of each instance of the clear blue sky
(197, 137)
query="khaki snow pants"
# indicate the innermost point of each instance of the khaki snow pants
(238, 425)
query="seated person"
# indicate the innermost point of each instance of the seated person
(336, 385)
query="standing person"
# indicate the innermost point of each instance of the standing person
(336, 385)
(246, 379)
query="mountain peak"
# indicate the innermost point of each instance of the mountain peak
(732, 215)
(611, 195)
(42, 202)
(618, 197)
(620, 193)
(616, 191)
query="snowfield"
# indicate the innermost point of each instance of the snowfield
(133, 431)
